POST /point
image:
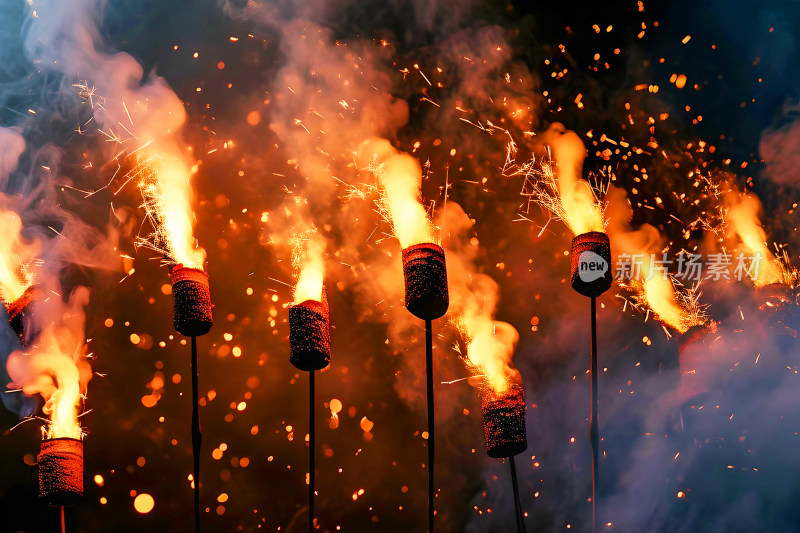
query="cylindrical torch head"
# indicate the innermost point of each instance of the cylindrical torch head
(20, 314)
(191, 301)
(590, 263)
(425, 276)
(504, 422)
(310, 334)
(61, 471)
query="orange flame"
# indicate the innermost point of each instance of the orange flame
(742, 216)
(582, 211)
(56, 366)
(401, 177)
(166, 187)
(678, 309)
(308, 259)
(14, 258)
(490, 348)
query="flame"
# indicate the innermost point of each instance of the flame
(14, 275)
(58, 381)
(308, 259)
(164, 181)
(679, 309)
(582, 211)
(743, 218)
(56, 366)
(490, 348)
(401, 177)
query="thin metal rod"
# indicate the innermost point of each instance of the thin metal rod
(197, 437)
(594, 432)
(517, 505)
(311, 451)
(63, 521)
(431, 441)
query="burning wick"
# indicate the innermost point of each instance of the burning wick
(192, 318)
(504, 428)
(20, 313)
(310, 346)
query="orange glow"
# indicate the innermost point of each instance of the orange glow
(401, 178)
(144, 503)
(743, 219)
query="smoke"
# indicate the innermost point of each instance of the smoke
(779, 147)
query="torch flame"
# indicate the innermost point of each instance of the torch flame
(582, 211)
(308, 258)
(401, 177)
(56, 366)
(490, 348)
(14, 276)
(743, 218)
(165, 184)
(58, 381)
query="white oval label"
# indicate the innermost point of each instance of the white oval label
(591, 266)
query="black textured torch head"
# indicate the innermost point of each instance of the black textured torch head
(192, 301)
(20, 314)
(425, 275)
(590, 264)
(310, 334)
(61, 471)
(504, 422)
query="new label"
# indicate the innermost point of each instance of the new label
(591, 266)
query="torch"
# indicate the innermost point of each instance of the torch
(424, 270)
(60, 379)
(427, 298)
(504, 428)
(192, 318)
(574, 201)
(164, 180)
(590, 275)
(310, 350)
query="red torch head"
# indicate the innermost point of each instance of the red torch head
(191, 301)
(504, 422)
(425, 276)
(20, 314)
(61, 471)
(590, 264)
(309, 334)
